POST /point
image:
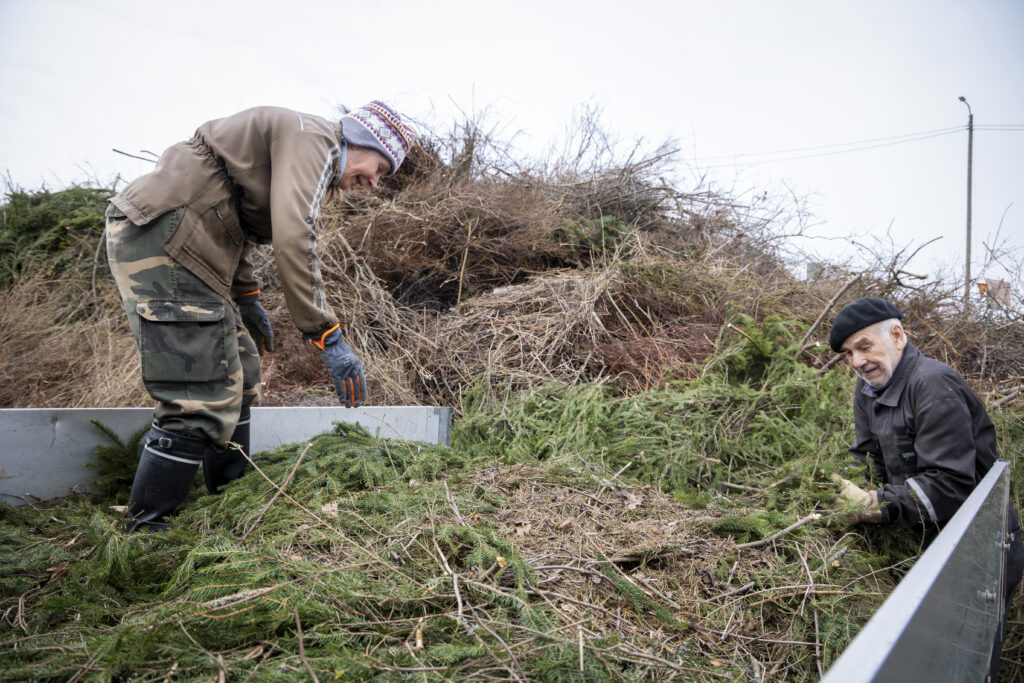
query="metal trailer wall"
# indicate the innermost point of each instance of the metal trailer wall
(43, 452)
(940, 622)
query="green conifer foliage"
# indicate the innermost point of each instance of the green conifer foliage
(400, 561)
(48, 229)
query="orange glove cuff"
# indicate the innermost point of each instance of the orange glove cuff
(320, 343)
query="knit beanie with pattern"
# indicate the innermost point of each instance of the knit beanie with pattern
(379, 127)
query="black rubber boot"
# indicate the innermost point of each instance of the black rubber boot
(222, 466)
(166, 470)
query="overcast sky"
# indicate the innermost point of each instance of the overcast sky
(726, 79)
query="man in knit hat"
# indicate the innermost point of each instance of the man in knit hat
(920, 427)
(180, 241)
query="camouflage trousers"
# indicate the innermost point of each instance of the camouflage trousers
(198, 361)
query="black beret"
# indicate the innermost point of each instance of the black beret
(858, 315)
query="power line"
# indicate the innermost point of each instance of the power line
(851, 146)
(839, 144)
(833, 153)
(847, 147)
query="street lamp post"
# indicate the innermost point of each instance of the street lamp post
(970, 151)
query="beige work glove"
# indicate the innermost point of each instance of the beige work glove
(867, 499)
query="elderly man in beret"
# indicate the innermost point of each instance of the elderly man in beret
(180, 242)
(920, 427)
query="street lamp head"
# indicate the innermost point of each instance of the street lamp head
(963, 99)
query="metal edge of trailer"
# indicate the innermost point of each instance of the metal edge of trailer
(43, 451)
(940, 621)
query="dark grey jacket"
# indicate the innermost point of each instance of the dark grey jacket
(928, 439)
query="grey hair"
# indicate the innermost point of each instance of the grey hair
(884, 327)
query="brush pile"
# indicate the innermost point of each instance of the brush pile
(638, 483)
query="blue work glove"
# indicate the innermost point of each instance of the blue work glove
(256, 321)
(344, 367)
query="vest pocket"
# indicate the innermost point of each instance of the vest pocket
(182, 342)
(905, 447)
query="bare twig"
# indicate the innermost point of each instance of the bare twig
(647, 584)
(280, 490)
(504, 645)
(302, 649)
(638, 557)
(236, 598)
(828, 307)
(817, 645)
(135, 156)
(732, 572)
(87, 667)
(844, 593)
(646, 655)
(828, 366)
(739, 487)
(753, 341)
(579, 632)
(455, 581)
(795, 525)
(170, 673)
(405, 669)
(810, 578)
(1006, 399)
(451, 501)
(465, 254)
(829, 560)
(742, 589)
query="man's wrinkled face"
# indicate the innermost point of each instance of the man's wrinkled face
(363, 168)
(875, 351)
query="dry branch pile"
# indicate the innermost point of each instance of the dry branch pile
(466, 264)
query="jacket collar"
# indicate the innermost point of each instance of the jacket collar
(891, 396)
